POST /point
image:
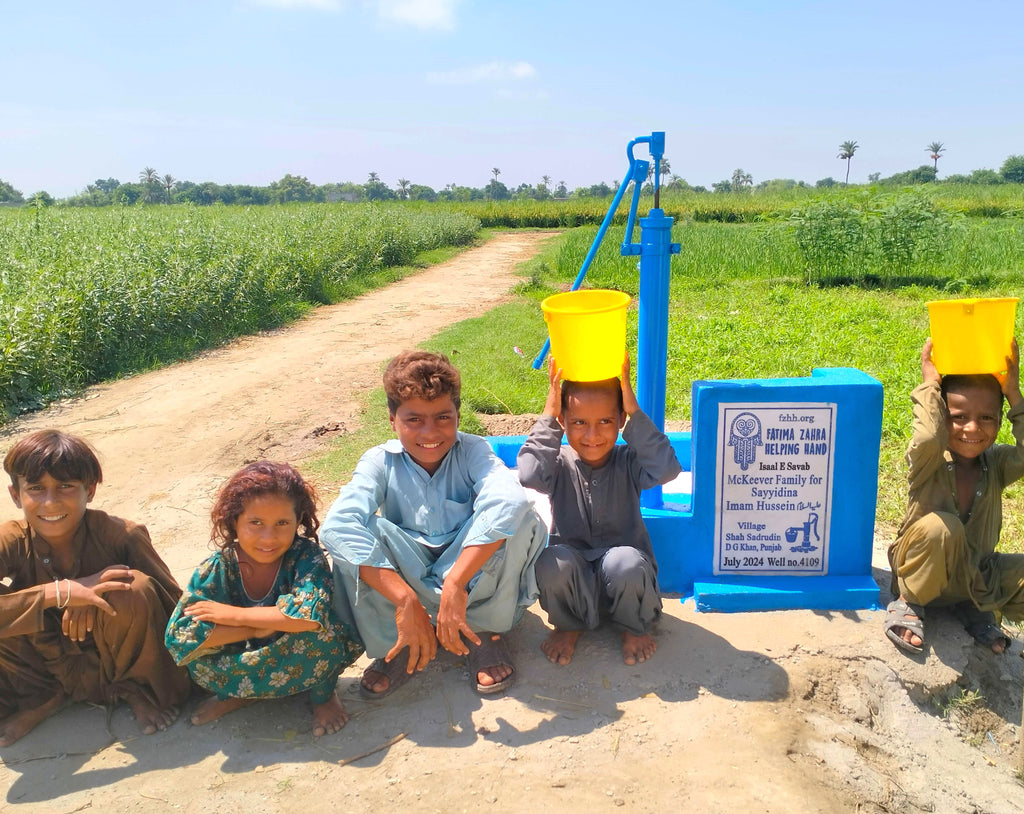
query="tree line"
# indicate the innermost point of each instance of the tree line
(154, 188)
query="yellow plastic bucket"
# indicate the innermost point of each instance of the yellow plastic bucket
(972, 335)
(588, 333)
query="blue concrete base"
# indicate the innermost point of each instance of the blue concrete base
(731, 594)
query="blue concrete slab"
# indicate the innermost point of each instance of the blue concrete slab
(732, 594)
(507, 447)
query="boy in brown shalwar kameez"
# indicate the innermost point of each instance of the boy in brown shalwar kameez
(84, 597)
(945, 552)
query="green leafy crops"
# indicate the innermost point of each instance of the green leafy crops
(973, 201)
(88, 295)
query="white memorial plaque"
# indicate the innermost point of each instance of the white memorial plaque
(774, 473)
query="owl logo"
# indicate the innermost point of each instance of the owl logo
(745, 438)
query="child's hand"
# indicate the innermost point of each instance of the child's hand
(77, 623)
(1011, 385)
(215, 613)
(929, 373)
(553, 405)
(113, 577)
(451, 620)
(629, 402)
(416, 631)
(87, 592)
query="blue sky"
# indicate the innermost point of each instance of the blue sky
(442, 91)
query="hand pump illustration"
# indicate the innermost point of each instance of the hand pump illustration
(654, 250)
(805, 546)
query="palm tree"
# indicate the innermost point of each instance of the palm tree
(168, 182)
(403, 188)
(149, 177)
(496, 172)
(545, 180)
(741, 179)
(846, 151)
(372, 178)
(936, 148)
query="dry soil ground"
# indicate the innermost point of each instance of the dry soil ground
(793, 712)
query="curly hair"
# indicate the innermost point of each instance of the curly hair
(421, 374)
(259, 479)
(52, 452)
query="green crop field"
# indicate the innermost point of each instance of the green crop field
(93, 294)
(751, 206)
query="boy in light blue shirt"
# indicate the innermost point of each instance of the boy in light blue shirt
(433, 540)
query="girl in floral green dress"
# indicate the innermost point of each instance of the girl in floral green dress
(257, 619)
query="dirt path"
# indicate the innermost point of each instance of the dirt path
(792, 712)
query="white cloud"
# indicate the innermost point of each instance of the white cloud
(419, 13)
(319, 5)
(488, 72)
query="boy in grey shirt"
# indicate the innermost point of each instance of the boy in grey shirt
(598, 565)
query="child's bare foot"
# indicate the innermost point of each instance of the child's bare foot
(560, 645)
(213, 708)
(637, 649)
(329, 717)
(150, 717)
(14, 727)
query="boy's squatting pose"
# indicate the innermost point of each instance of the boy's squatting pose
(433, 540)
(599, 564)
(945, 550)
(83, 617)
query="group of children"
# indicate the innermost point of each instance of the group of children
(434, 541)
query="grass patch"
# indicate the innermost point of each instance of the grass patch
(962, 704)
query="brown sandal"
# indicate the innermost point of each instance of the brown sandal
(491, 652)
(395, 671)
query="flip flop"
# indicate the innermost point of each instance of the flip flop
(395, 671)
(489, 653)
(900, 614)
